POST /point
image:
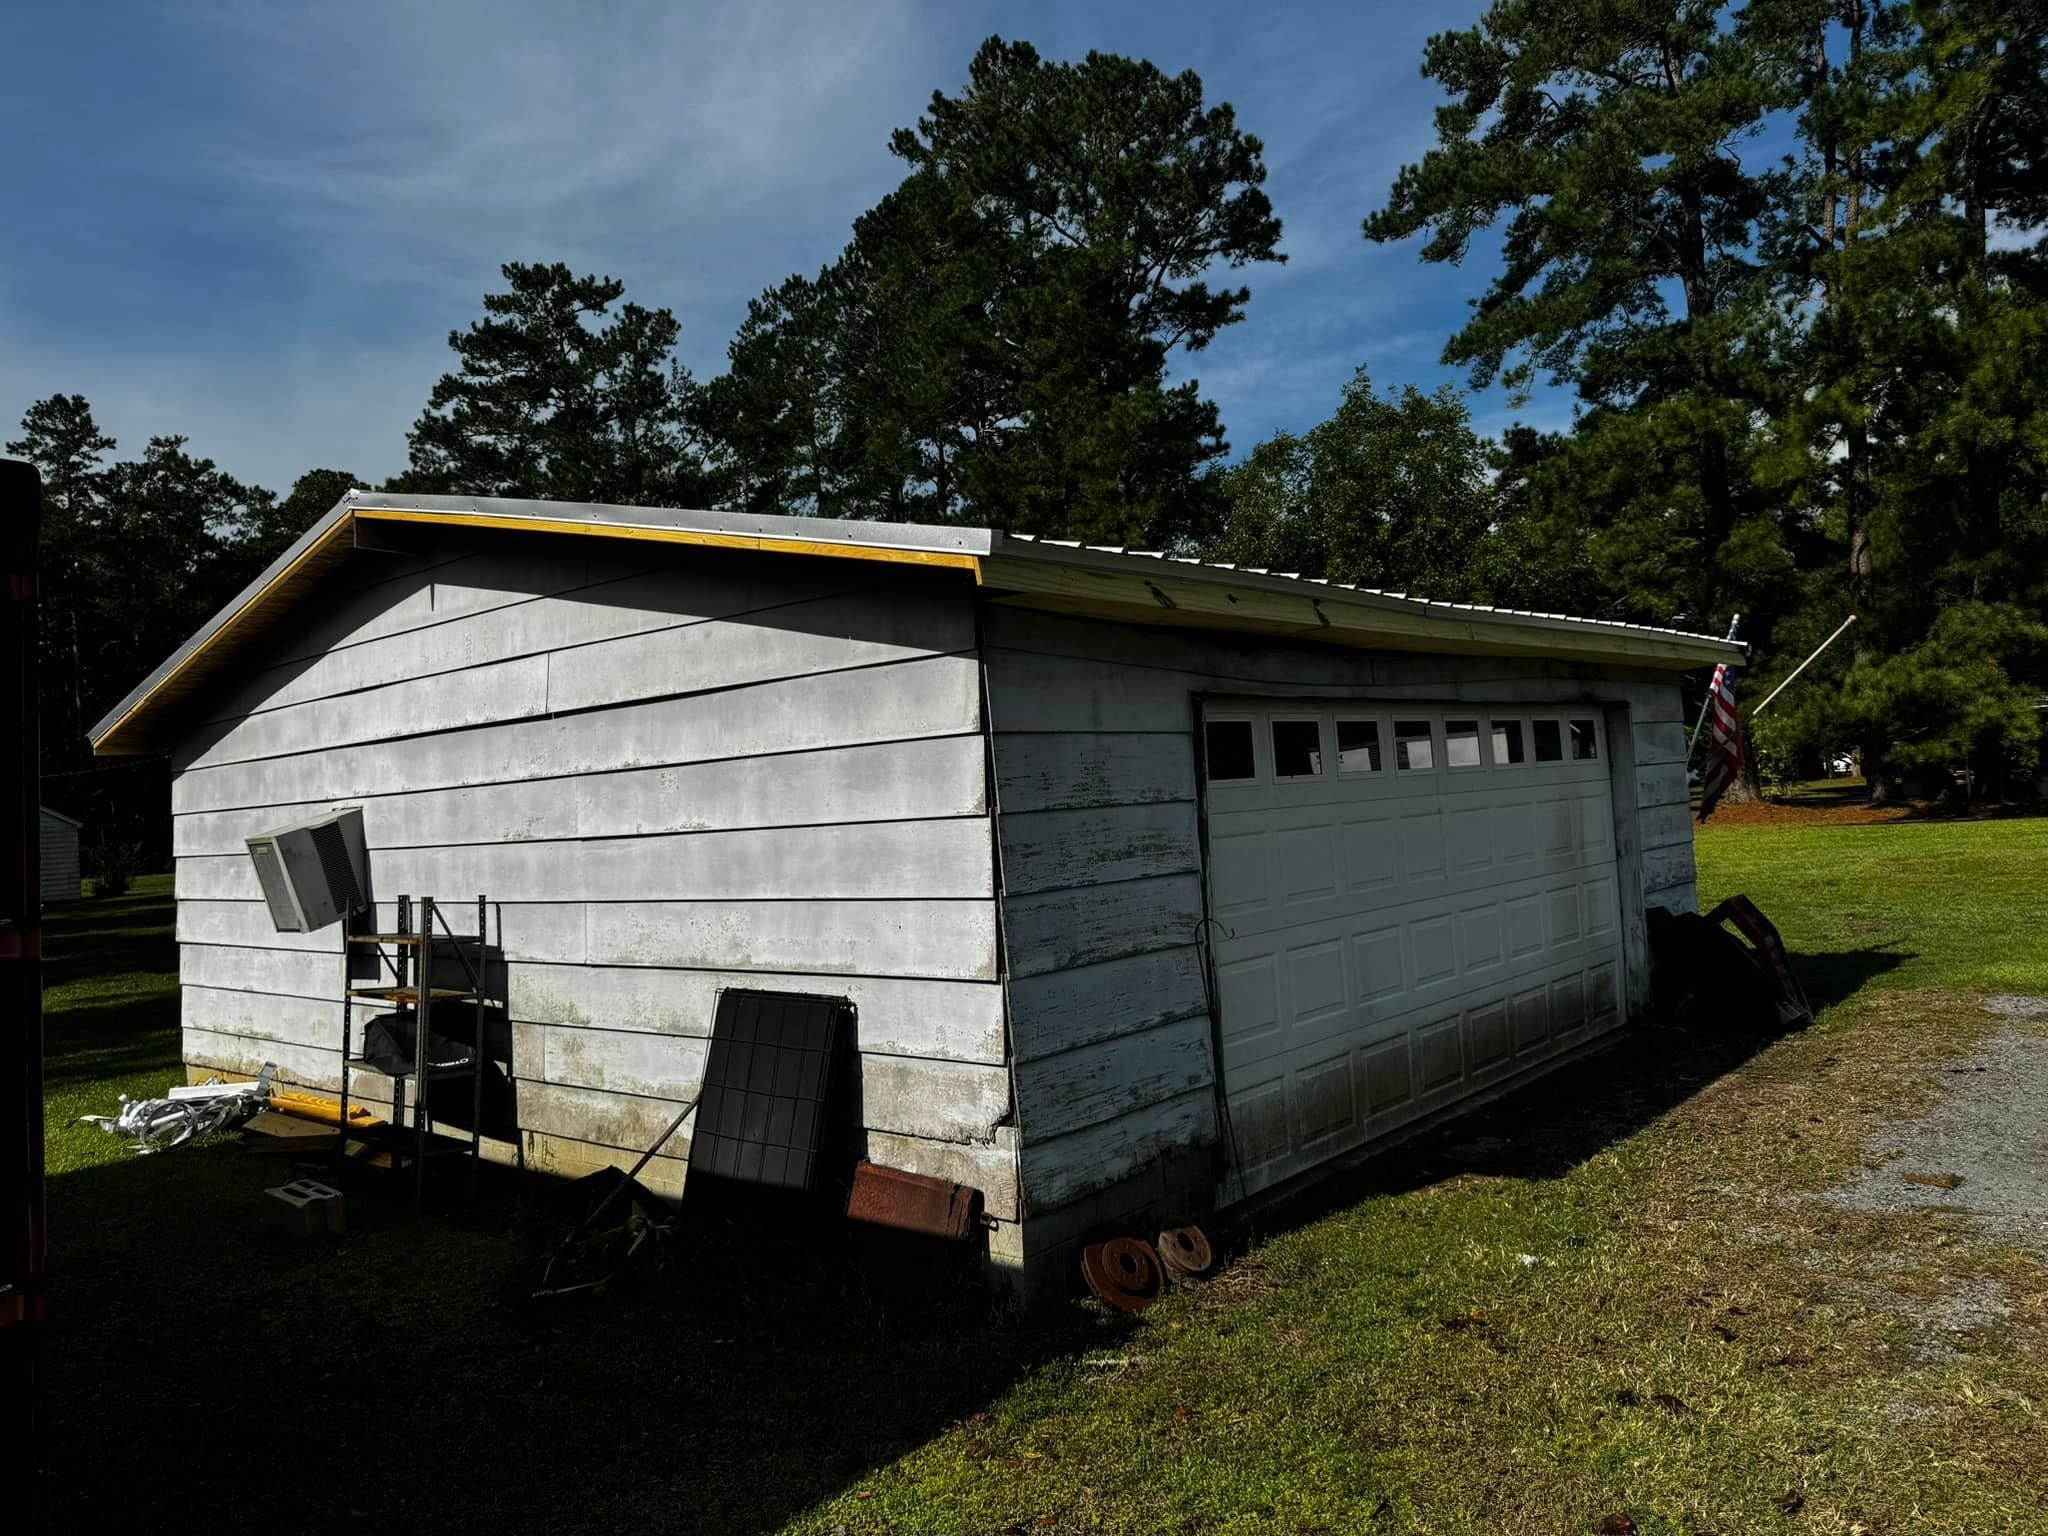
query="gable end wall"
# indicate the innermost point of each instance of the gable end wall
(671, 773)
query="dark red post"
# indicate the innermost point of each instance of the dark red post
(24, 1427)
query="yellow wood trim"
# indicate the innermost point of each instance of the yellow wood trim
(254, 607)
(825, 547)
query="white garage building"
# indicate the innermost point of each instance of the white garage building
(1155, 884)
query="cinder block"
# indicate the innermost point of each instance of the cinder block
(304, 1207)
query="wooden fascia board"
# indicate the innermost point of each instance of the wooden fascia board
(828, 548)
(128, 734)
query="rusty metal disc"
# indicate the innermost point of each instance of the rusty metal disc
(1123, 1272)
(1185, 1252)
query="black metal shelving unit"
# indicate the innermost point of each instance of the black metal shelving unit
(409, 953)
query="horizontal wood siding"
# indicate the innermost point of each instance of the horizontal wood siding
(935, 696)
(889, 781)
(673, 774)
(450, 636)
(1095, 777)
(1063, 850)
(60, 866)
(1664, 806)
(862, 861)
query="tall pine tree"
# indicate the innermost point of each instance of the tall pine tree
(559, 396)
(60, 437)
(1607, 143)
(994, 342)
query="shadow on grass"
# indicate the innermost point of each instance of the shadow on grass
(1548, 1127)
(255, 1382)
(107, 1063)
(94, 939)
(313, 1384)
(121, 1032)
(1834, 976)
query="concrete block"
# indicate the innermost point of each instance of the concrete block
(305, 1207)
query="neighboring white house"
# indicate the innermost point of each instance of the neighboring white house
(60, 856)
(1155, 884)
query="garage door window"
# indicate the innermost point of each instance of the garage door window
(1461, 743)
(1358, 746)
(1549, 741)
(1507, 743)
(1229, 744)
(1412, 745)
(1583, 748)
(1297, 749)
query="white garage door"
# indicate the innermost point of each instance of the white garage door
(1410, 904)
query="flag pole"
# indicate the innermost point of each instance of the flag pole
(1733, 625)
(1831, 639)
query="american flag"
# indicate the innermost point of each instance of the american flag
(1724, 740)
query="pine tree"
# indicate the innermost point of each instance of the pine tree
(60, 437)
(558, 396)
(1906, 426)
(1610, 140)
(993, 343)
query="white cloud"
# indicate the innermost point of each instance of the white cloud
(368, 167)
(324, 192)
(458, 135)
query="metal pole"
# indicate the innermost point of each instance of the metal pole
(422, 1010)
(476, 1058)
(1831, 639)
(348, 1034)
(1733, 625)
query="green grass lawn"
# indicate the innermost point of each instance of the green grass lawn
(1696, 1345)
(1955, 904)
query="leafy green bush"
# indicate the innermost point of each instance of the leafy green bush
(1966, 694)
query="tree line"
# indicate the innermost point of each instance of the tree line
(1785, 256)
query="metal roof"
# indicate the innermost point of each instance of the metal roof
(1016, 570)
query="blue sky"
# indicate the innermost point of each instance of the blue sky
(255, 224)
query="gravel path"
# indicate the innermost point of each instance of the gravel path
(1984, 1150)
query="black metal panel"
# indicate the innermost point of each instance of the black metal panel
(768, 1084)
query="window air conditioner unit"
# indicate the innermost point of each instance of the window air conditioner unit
(313, 873)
